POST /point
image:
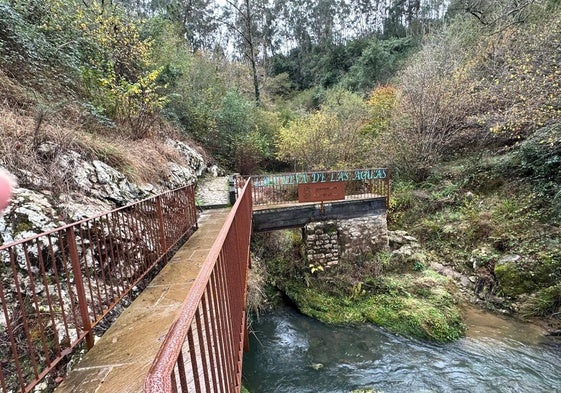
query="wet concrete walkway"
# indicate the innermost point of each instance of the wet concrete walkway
(121, 358)
(212, 192)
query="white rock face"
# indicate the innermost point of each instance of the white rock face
(99, 188)
(195, 160)
(99, 180)
(29, 213)
(179, 176)
(76, 207)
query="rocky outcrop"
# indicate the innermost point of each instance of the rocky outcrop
(92, 186)
(29, 213)
(98, 180)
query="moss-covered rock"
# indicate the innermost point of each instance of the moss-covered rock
(544, 303)
(422, 305)
(524, 276)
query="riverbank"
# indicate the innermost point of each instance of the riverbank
(393, 289)
(492, 230)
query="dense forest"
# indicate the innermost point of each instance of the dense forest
(460, 99)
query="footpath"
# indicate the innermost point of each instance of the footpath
(121, 358)
(212, 192)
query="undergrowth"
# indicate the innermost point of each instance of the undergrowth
(413, 305)
(496, 218)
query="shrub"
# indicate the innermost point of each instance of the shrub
(117, 70)
(330, 137)
(432, 103)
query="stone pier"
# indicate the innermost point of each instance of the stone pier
(331, 242)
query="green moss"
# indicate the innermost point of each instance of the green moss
(22, 226)
(528, 275)
(512, 281)
(330, 228)
(416, 305)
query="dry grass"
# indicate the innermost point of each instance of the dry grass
(34, 134)
(35, 130)
(257, 281)
(13, 94)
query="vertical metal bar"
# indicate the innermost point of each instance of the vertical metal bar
(209, 338)
(387, 183)
(89, 248)
(85, 276)
(217, 333)
(203, 348)
(161, 224)
(82, 301)
(174, 381)
(182, 374)
(126, 271)
(37, 306)
(24, 314)
(109, 262)
(95, 242)
(49, 303)
(224, 315)
(194, 365)
(56, 275)
(127, 247)
(114, 254)
(237, 298)
(66, 272)
(10, 329)
(3, 380)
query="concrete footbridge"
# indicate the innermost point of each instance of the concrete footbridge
(181, 270)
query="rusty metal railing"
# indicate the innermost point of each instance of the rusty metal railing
(282, 188)
(203, 349)
(57, 286)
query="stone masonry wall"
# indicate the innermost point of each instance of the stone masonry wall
(330, 242)
(322, 245)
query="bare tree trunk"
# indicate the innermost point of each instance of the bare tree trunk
(251, 47)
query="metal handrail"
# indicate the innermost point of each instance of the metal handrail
(58, 285)
(203, 348)
(280, 188)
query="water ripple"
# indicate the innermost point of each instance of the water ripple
(291, 353)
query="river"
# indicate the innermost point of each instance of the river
(291, 353)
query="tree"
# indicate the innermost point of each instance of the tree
(246, 25)
(117, 70)
(498, 14)
(434, 104)
(199, 20)
(330, 137)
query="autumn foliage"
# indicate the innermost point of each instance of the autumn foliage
(474, 85)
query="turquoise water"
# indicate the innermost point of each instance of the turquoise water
(290, 352)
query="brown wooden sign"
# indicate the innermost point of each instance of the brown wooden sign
(321, 192)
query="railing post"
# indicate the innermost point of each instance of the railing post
(233, 188)
(387, 188)
(161, 224)
(79, 282)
